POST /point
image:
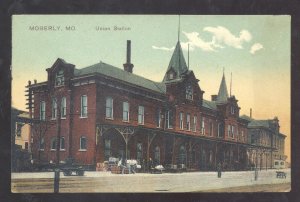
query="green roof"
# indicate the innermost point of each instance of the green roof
(177, 62)
(209, 104)
(223, 93)
(120, 74)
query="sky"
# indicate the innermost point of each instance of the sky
(254, 49)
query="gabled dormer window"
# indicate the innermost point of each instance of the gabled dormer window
(171, 75)
(59, 78)
(189, 92)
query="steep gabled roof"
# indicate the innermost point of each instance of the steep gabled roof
(120, 74)
(177, 62)
(223, 93)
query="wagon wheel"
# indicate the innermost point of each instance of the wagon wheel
(67, 173)
(80, 172)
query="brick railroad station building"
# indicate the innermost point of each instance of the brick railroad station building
(102, 111)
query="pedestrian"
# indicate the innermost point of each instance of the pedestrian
(219, 169)
(121, 165)
(150, 166)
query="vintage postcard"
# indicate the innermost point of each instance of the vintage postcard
(151, 103)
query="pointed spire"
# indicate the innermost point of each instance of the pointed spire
(223, 93)
(177, 63)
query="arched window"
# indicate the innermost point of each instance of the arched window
(189, 92)
(157, 155)
(59, 78)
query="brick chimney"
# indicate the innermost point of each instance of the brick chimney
(128, 66)
(251, 113)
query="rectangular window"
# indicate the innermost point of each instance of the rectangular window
(169, 119)
(63, 107)
(141, 115)
(53, 143)
(109, 108)
(84, 106)
(158, 118)
(62, 143)
(19, 129)
(181, 120)
(219, 130)
(232, 131)
(229, 130)
(42, 110)
(26, 145)
(54, 108)
(125, 111)
(211, 128)
(195, 124)
(107, 145)
(83, 145)
(203, 126)
(188, 122)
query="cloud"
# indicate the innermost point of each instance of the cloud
(222, 35)
(163, 48)
(221, 38)
(256, 47)
(195, 41)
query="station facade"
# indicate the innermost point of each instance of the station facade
(102, 111)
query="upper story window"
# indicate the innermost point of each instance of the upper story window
(232, 131)
(232, 109)
(219, 129)
(125, 111)
(158, 118)
(194, 128)
(19, 128)
(188, 121)
(84, 106)
(82, 143)
(54, 108)
(203, 126)
(141, 115)
(189, 92)
(42, 110)
(63, 107)
(181, 120)
(171, 75)
(169, 119)
(59, 78)
(109, 108)
(211, 128)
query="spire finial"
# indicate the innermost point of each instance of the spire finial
(178, 26)
(223, 71)
(230, 83)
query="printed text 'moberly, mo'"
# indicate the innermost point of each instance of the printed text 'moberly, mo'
(51, 28)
